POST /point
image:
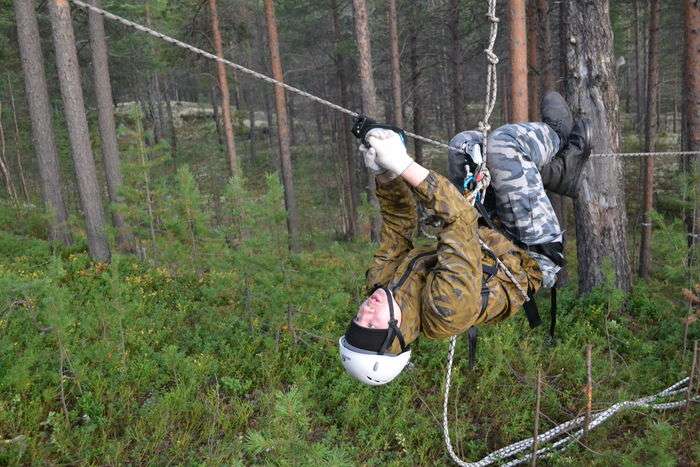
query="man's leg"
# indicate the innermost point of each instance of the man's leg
(562, 174)
(516, 153)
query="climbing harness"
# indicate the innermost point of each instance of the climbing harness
(482, 179)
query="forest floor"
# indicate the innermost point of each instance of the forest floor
(231, 358)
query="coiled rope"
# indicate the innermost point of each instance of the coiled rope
(563, 435)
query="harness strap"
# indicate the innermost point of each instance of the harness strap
(531, 311)
(553, 312)
(552, 250)
(490, 271)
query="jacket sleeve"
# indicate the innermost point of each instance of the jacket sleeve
(451, 298)
(399, 220)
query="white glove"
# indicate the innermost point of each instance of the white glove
(390, 151)
(370, 157)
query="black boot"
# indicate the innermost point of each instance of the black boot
(556, 113)
(562, 174)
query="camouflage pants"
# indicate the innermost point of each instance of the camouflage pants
(516, 153)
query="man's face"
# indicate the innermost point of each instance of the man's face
(373, 313)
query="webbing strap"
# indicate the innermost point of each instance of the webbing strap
(553, 312)
(531, 311)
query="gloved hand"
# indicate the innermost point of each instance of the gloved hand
(390, 150)
(370, 157)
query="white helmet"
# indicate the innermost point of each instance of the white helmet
(373, 367)
(370, 367)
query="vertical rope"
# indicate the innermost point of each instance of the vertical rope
(484, 127)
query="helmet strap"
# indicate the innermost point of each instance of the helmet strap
(394, 331)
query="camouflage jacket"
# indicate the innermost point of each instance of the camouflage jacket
(439, 287)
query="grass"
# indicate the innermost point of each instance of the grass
(233, 360)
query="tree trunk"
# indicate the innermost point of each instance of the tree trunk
(40, 114)
(292, 133)
(370, 104)
(518, 60)
(143, 158)
(251, 131)
(600, 207)
(283, 130)
(78, 132)
(505, 104)
(691, 119)
(108, 132)
(395, 62)
(346, 151)
(563, 47)
(534, 69)
(549, 79)
(215, 110)
(456, 53)
(416, 92)
(443, 93)
(20, 166)
(650, 133)
(638, 66)
(541, 38)
(171, 121)
(9, 186)
(225, 95)
(268, 117)
(158, 114)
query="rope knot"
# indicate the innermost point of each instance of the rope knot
(491, 57)
(484, 127)
(493, 18)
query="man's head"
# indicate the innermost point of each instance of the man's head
(370, 335)
(373, 313)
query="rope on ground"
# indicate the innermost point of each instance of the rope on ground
(491, 75)
(563, 435)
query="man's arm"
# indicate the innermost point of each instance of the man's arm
(451, 299)
(399, 220)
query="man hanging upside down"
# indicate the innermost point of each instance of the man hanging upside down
(441, 291)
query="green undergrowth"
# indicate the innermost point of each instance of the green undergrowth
(219, 347)
(131, 363)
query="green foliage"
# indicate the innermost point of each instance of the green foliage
(234, 362)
